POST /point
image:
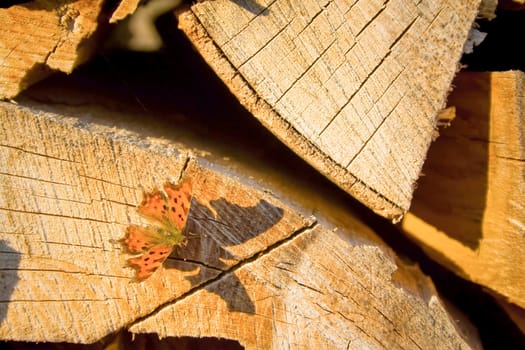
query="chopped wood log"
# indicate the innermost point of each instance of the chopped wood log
(352, 87)
(296, 295)
(42, 36)
(253, 269)
(468, 211)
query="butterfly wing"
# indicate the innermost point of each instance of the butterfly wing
(179, 201)
(153, 243)
(150, 261)
(140, 239)
(154, 206)
(172, 210)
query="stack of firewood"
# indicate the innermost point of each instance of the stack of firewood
(260, 174)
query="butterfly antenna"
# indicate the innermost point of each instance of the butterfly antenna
(193, 235)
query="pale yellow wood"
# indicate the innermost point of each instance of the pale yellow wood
(253, 269)
(468, 212)
(40, 36)
(318, 291)
(66, 196)
(353, 87)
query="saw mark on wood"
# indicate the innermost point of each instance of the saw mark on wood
(36, 179)
(67, 244)
(47, 156)
(108, 182)
(62, 199)
(38, 213)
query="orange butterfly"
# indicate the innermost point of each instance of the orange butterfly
(168, 213)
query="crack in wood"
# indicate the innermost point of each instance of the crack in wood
(196, 262)
(307, 227)
(371, 19)
(270, 40)
(308, 286)
(310, 68)
(375, 132)
(281, 127)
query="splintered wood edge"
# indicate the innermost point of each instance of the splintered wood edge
(285, 132)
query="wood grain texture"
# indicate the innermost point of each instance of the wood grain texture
(253, 269)
(468, 212)
(317, 291)
(353, 87)
(42, 36)
(67, 195)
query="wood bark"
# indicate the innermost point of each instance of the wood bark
(353, 87)
(468, 209)
(253, 270)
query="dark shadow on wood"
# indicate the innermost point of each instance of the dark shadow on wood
(234, 224)
(208, 236)
(10, 260)
(252, 6)
(451, 195)
(232, 291)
